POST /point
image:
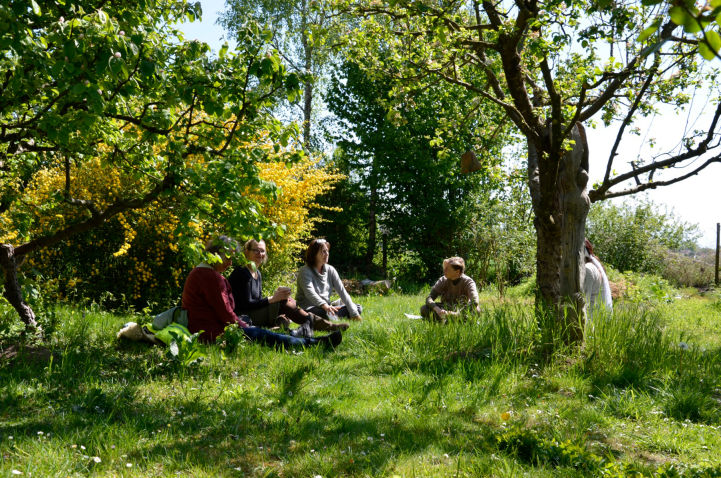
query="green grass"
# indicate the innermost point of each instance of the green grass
(398, 397)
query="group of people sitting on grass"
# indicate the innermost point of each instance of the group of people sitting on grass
(213, 302)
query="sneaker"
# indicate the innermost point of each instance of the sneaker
(305, 330)
(331, 340)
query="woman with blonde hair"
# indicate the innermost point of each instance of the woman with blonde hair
(596, 287)
(277, 310)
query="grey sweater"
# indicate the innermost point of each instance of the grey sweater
(314, 289)
(453, 293)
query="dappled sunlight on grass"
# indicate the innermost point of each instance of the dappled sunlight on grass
(398, 397)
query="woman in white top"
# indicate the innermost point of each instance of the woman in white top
(595, 284)
(317, 280)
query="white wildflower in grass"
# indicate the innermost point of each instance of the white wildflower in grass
(97, 459)
(128, 465)
(16, 472)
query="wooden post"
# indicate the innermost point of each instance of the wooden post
(385, 254)
(718, 235)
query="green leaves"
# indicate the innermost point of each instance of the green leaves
(649, 31)
(696, 23)
(710, 48)
(118, 87)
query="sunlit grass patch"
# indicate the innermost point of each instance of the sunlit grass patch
(398, 397)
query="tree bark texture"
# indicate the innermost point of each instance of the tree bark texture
(372, 228)
(12, 291)
(557, 183)
(308, 84)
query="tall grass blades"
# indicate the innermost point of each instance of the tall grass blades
(627, 347)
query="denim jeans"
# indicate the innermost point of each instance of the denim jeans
(266, 337)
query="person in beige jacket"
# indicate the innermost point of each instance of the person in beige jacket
(457, 291)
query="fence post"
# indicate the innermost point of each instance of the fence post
(718, 234)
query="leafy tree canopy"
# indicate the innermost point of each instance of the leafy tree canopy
(114, 81)
(551, 66)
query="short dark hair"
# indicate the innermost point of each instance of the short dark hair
(313, 248)
(220, 244)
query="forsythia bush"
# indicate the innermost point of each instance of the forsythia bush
(132, 258)
(135, 258)
(300, 184)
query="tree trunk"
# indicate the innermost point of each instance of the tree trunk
(308, 84)
(557, 183)
(372, 228)
(12, 292)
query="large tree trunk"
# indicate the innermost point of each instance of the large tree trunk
(372, 228)
(308, 84)
(12, 291)
(560, 201)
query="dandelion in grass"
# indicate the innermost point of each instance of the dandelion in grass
(505, 416)
(683, 346)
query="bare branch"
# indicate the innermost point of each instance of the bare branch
(595, 195)
(629, 117)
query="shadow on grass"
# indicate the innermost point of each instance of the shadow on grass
(301, 432)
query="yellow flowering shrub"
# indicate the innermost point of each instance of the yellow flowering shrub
(300, 184)
(135, 257)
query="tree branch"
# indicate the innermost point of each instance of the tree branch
(595, 195)
(618, 80)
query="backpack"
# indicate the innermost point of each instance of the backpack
(175, 314)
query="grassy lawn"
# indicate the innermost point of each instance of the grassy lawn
(399, 397)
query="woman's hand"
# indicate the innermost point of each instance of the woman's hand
(330, 309)
(280, 294)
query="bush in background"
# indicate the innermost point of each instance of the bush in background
(641, 236)
(141, 258)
